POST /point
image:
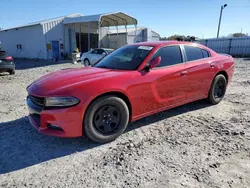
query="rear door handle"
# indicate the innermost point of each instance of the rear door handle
(183, 73)
(212, 65)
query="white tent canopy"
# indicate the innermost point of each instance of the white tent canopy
(105, 20)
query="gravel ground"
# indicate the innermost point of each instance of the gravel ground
(195, 145)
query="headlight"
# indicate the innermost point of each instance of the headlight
(61, 101)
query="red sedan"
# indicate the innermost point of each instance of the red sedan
(133, 82)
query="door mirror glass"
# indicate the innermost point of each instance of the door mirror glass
(154, 62)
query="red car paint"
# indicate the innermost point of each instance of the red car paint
(147, 92)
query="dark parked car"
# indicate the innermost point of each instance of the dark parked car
(6, 63)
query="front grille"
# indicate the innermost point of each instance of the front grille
(39, 101)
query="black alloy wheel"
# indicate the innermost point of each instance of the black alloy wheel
(106, 118)
(217, 89)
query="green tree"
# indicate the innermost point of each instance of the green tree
(179, 38)
(239, 34)
(163, 38)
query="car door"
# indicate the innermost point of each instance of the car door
(200, 72)
(169, 82)
(98, 55)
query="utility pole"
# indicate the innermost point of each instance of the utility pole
(221, 9)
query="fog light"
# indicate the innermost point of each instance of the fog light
(53, 126)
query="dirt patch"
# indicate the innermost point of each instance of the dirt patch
(195, 145)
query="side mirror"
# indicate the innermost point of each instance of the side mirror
(153, 63)
(104, 53)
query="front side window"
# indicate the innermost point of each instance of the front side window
(125, 58)
(170, 55)
(193, 53)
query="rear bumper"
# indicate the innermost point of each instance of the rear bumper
(230, 73)
(4, 67)
(69, 120)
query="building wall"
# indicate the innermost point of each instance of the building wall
(142, 35)
(53, 31)
(116, 42)
(31, 38)
(70, 31)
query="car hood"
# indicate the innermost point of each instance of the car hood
(65, 79)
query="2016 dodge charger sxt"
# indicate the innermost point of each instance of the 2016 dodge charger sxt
(133, 82)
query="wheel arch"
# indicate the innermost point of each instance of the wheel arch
(224, 73)
(119, 94)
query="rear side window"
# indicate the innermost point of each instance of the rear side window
(170, 55)
(193, 53)
(205, 53)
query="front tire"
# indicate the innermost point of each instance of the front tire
(106, 119)
(217, 89)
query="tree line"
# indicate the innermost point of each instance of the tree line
(193, 38)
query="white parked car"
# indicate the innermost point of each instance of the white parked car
(92, 56)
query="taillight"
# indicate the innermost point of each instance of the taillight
(9, 58)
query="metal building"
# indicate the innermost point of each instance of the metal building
(132, 35)
(59, 37)
(35, 40)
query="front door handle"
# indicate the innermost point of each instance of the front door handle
(183, 73)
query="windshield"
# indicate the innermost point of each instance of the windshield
(125, 58)
(108, 51)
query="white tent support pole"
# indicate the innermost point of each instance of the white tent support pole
(117, 37)
(80, 47)
(126, 35)
(99, 35)
(88, 37)
(74, 30)
(135, 32)
(109, 36)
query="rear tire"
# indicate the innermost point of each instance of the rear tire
(217, 89)
(12, 72)
(99, 126)
(86, 63)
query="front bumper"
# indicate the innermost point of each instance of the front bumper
(68, 119)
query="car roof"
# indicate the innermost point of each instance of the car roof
(102, 49)
(161, 43)
(173, 42)
(107, 49)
